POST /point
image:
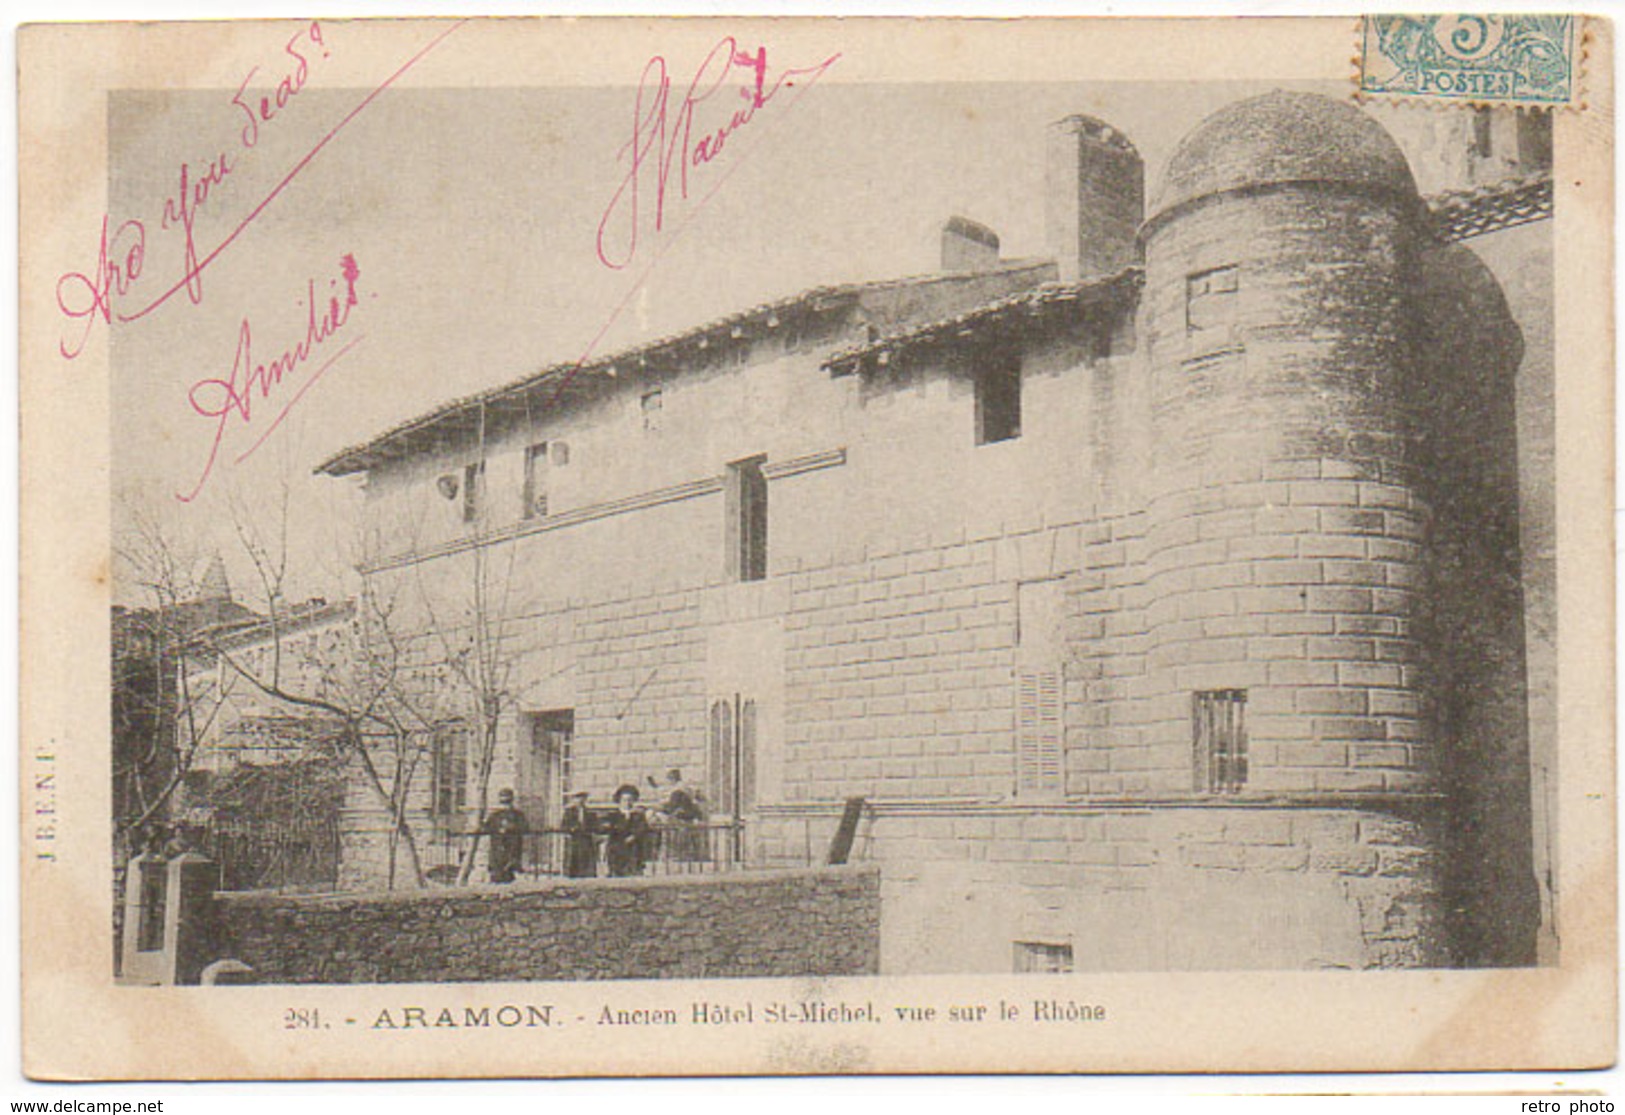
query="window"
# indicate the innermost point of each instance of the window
(448, 786)
(721, 761)
(154, 883)
(545, 768)
(1481, 144)
(473, 491)
(1210, 299)
(1535, 141)
(536, 481)
(1038, 734)
(746, 490)
(651, 405)
(1040, 956)
(731, 757)
(1040, 643)
(998, 398)
(1219, 731)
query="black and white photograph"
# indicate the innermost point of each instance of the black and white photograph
(752, 509)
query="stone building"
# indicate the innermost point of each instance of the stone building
(229, 670)
(264, 778)
(1167, 600)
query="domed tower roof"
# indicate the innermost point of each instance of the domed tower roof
(1280, 138)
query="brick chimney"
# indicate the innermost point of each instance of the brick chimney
(968, 246)
(1094, 198)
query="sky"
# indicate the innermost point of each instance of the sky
(472, 218)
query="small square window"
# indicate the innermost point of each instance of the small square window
(473, 491)
(1210, 299)
(1219, 735)
(998, 398)
(536, 469)
(1043, 956)
(652, 404)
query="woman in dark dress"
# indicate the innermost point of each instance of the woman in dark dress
(628, 831)
(580, 847)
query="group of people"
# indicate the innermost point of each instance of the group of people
(631, 835)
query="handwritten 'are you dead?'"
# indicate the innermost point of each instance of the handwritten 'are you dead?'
(119, 289)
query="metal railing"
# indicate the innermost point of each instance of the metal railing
(263, 854)
(671, 848)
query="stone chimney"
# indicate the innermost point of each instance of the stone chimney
(1095, 198)
(968, 246)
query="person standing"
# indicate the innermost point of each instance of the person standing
(628, 831)
(506, 827)
(580, 845)
(681, 820)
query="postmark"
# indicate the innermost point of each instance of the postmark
(1480, 59)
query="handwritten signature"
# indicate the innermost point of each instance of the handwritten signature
(229, 402)
(666, 141)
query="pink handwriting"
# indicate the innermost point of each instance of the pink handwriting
(181, 209)
(229, 403)
(667, 142)
(286, 89)
(83, 298)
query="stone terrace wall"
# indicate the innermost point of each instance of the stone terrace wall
(1185, 887)
(822, 921)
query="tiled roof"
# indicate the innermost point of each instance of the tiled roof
(1027, 303)
(1455, 215)
(1459, 214)
(556, 377)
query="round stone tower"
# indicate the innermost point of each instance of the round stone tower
(1284, 532)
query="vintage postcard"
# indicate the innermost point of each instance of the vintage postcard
(721, 546)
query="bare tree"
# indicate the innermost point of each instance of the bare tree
(382, 706)
(161, 717)
(480, 654)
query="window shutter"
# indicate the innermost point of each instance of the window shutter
(747, 756)
(1219, 731)
(720, 787)
(1038, 733)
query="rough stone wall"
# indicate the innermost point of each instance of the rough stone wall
(640, 689)
(1283, 535)
(782, 923)
(899, 678)
(1519, 259)
(1473, 610)
(1108, 736)
(1173, 886)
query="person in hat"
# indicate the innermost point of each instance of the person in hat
(506, 827)
(679, 817)
(580, 847)
(628, 831)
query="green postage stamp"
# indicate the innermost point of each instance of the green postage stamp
(1487, 59)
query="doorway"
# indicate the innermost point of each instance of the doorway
(544, 770)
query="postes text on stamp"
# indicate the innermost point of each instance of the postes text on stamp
(1485, 59)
